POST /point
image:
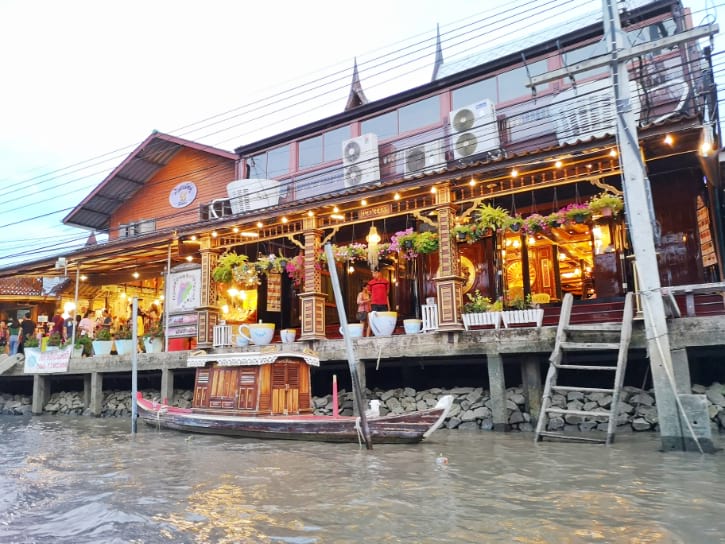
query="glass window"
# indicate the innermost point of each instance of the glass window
(475, 92)
(310, 151)
(333, 143)
(278, 162)
(512, 84)
(583, 53)
(419, 114)
(384, 126)
(257, 166)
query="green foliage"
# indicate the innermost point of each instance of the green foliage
(31, 342)
(520, 302)
(103, 334)
(425, 242)
(55, 339)
(121, 334)
(477, 303)
(606, 200)
(156, 331)
(223, 272)
(491, 217)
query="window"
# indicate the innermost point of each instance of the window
(513, 84)
(583, 53)
(475, 92)
(270, 165)
(384, 126)
(323, 148)
(419, 114)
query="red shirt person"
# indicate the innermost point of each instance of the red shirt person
(379, 288)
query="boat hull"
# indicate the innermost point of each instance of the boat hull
(406, 428)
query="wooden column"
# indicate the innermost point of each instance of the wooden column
(449, 282)
(312, 300)
(207, 314)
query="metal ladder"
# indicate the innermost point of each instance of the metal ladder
(599, 337)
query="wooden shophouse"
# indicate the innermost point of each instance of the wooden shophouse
(479, 135)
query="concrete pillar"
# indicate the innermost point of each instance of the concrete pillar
(207, 314)
(531, 380)
(95, 406)
(449, 282)
(681, 371)
(497, 384)
(313, 299)
(41, 393)
(86, 390)
(167, 385)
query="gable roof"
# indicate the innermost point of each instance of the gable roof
(155, 152)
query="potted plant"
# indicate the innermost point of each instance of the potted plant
(463, 233)
(491, 217)
(514, 223)
(535, 223)
(124, 341)
(403, 241)
(555, 219)
(606, 204)
(82, 346)
(425, 242)
(578, 213)
(31, 342)
(55, 341)
(153, 339)
(102, 342)
(520, 311)
(477, 311)
(223, 272)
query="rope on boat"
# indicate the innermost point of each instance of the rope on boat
(360, 436)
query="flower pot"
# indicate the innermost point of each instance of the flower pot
(522, 316)
(153, 345)
(124, 347)
(605, 212)
(481, 319)
(515, 227)
(408, 244)
(102, 347)
(382, 323)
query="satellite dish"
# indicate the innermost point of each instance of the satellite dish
(463, 120)
(466, 144)
(353, 175)
(352, 151)
(415, 159)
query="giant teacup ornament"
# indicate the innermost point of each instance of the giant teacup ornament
(382, 323)
(257, 333)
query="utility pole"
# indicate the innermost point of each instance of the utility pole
(676, 431)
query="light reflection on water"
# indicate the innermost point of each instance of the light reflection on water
(79, 480)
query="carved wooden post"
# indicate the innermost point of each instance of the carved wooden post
(207, 315)
(449, 282)
(312, 299)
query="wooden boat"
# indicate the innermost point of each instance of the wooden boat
(267, 395)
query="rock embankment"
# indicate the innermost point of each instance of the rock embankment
(471, 407)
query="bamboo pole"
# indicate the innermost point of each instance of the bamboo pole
(348, 346)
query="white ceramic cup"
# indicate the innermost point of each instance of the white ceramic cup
(412, 326)
(287, 335)
(382, 323)
(257, 333)
(356, 330)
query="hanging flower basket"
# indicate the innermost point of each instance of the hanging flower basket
(578, 213)
(606, 204)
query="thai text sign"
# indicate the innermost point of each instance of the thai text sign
(47, 362)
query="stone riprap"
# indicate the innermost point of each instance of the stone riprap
(471, 407)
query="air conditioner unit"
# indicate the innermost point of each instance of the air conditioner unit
(360, 160)
(426, 158)
(588, 111)
(474, 130)
(145, 226)
(246, 195)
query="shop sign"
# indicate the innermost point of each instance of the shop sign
(183, 194)
(375, 211)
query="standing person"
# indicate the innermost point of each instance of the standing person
(58, 324)
(68, 324)
(4, 337)
(379, 288)
(106, 320)
(27, 329)
(363, 307)
(14, 339)
(87, 325)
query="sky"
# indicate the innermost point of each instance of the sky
(86, 81)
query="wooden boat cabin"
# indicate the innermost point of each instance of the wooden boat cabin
(253, 383)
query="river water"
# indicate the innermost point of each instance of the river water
(77, 480)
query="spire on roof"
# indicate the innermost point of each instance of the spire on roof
(357, 96)
(438, 62)
(91, 241)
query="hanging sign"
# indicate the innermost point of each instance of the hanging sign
(707, 248)
(183, 194)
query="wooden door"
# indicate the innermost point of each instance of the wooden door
(248, 391)
(201, 389)
(285, 387)
(223, 388)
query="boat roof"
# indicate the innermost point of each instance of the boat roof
(249, 358)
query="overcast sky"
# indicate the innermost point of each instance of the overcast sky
(88, 79)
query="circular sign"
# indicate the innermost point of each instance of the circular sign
(183, 194)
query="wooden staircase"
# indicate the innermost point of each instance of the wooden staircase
(590, 338)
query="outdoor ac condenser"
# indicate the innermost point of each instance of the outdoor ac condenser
(474, 129)
(360, 160)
